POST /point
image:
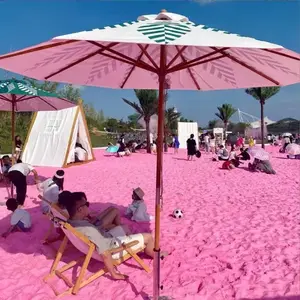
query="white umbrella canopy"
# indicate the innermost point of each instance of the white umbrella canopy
(128, 56)
(163, 51)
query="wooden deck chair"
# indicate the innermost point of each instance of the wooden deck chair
(54, 212)
(85, 246)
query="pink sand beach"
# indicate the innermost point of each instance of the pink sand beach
(238, 239)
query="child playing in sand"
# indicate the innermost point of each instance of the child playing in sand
(137, 210)
(228, 165)
(20, 218)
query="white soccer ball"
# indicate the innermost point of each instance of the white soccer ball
(177, 213)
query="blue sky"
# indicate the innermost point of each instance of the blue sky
(26, 23)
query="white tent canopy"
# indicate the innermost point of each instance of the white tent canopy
(52, 137)
(185, 129)
(256, 124)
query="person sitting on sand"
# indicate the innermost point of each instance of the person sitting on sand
(51, 188)
(232, 154)
(80, 153)
(137, 210)
(223, 153)
(228, 165)
(261, 165)
(244, 154)
(79, 218)
(20, 218)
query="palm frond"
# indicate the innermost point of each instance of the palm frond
(226, 111)
(263, 93)
(135, 106)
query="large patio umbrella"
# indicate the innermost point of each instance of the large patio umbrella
(158, 52)
(19, 96)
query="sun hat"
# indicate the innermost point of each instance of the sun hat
(139, 192)
(59, 174)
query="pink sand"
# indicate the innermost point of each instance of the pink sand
(239, 237)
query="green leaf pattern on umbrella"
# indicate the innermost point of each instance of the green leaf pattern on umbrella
(263, 59)
(19, 87)
(106, 65)
(164, 32)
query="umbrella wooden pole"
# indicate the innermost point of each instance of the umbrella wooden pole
(13, 122)
(160, 138)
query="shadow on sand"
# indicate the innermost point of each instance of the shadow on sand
(30, 243)
(275, 298)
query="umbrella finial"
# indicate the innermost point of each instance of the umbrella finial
(163, 11)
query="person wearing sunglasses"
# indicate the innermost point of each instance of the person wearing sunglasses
(78, 210)
(106, 220)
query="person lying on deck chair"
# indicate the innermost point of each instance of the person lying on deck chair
(79, 218)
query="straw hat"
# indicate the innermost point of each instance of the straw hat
(139, 192)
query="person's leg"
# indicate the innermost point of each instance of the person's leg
(111, 219)
(149, 244)
(105, 212)
(19, 181)
(21, 189)
(108, 262)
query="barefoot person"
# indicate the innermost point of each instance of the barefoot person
(20, 218)
(79, 218)
(106, 220)
(17, 175)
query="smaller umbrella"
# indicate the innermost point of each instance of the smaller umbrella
(293, 149)
(258, 153)
(112, 149)
(19, 96)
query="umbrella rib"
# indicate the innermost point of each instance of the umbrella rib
(148, 56)
(4, 98)
(23, 98)
(132, 69)
(125, 58)
(240, 62)
(20, 98)
(47, 102)
(281, 54)
(78, 61)
(136, 64)
(197, 61)
(39, 48)
(176, 56)
(188, 69)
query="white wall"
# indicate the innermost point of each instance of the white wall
(185, 129)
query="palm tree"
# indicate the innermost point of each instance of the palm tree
(262, 94)
(171, 117)
(226, 111)
(146, 108)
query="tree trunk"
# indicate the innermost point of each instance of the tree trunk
(225, 131)
(148, 135)
(262, 123)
